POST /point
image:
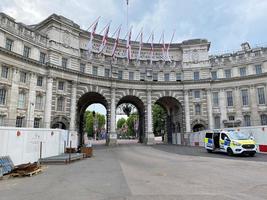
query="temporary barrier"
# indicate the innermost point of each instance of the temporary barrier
(25, 145)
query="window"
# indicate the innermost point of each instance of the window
(9, 44)
(197, 94)
(243, 71)
(258, 69)
(64, 62)
(60, 85)
(178, 76)
(263, 119)
(217, 122)
(2, 96)
(2, 120)
(107, 72)
(60, 104)
(155, 77)
(23, 76)
(39, 102)
(167, 77)
(37, 122)
(215, 98)
(196, 75)
(40, 81)
(247, 121)
(21, 100)
(229, 95)
(214, 75)
(42, 57)
(231, 118)
(244, 95)
(4, 72)
(227, 73)
(120, 75)
(95, 69)
(131, 76)
(26, 51)
(82, 67)
(197, 109)
(261, 95)
(19, 121)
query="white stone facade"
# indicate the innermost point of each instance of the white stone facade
(48, 81)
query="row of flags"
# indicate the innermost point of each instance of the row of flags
(164, 48)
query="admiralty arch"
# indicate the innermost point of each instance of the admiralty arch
(48, 80)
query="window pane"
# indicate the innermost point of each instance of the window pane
(60, 104)
(197, 109)
(217, 122)
(166, 77)
(21, 100)
(263, 119)
(229, 95)
(131, 76)
(64, 62)
(2, 96)
(60, 85)
(23, 77)
(42, 57)
(227, 73)
(247, 121)
(39, 102)
(215, 96)
(120, 75)
(4, 72)
(258, 69)
(178, 76)
(9, 44)
(82, 67)
(107, 72)
(243, 71)
(40, 81)
(214, 75)
(26, 52)
(261, 96)
(196, 75)
(95, 69)
(155, 76)
(197, 94)
(244, 95)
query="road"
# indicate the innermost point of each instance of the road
(138, 172)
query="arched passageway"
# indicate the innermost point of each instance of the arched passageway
(198, 127)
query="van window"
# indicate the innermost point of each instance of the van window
(208, 135)
(223, 135)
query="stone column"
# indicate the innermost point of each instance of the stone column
(48, 102)
(187, 112)
(255, 119)
(222, 103)
(238, 104)
(73, 106)
(31, 100)
(113, 134)
(150, 139)
(209, 108)
(13, 101)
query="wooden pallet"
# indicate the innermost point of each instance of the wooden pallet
(37, 171)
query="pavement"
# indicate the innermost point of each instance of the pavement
(138, 172)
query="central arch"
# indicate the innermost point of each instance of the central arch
(84, 101)
(138, 103)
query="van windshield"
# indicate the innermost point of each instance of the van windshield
(236, 135)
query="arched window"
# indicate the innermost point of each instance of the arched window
(2, 96)
(264, 119)
(60, 104)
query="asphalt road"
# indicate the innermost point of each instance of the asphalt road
(137, 172)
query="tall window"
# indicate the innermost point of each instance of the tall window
(4, 72)
(37, 122)
(42, 57)
(23, 77)
(214, 75)
(217, 122)
(197, 109)
(215, 98)
(258, 69)
(131, 75)
(263, 119)
(95, 69)
(166, 77)
(60, 85)
(2, 96)
(2, 120)
(197, 94)
(21, 100)
(243, 71)
(247, 121)
(229, 95)
(64, 62)
(82, 67)
(196, 76)
(40, 81)
(178, 76)
(9, 44)
(60, 104)
(227, 73)
(20, 121)
(39, 102)
(120, 75)
(231, 118)
(26, 51)
(155, 77)
(244, 95)
(261, 95)
(107, 72)
(142, 76)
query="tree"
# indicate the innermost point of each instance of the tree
(132, 119)
(120, 123)
(89, 122)
(159, 116)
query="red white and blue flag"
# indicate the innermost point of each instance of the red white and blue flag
(92, 33)
(104, 40)
(116, 42)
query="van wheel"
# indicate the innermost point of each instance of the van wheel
(230, 152)
(252, 154)
(209, 151)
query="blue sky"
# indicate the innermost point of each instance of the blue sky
(225, 23)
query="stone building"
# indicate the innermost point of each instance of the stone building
(47, 80)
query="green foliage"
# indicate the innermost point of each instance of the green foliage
(130, 124)
(158, 119)
(120, 123)
(89, 122)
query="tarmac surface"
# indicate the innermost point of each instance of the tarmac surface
(138, 172)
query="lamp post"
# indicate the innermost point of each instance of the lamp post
(94, 134)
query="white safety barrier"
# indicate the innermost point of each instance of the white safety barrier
(25, 145)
